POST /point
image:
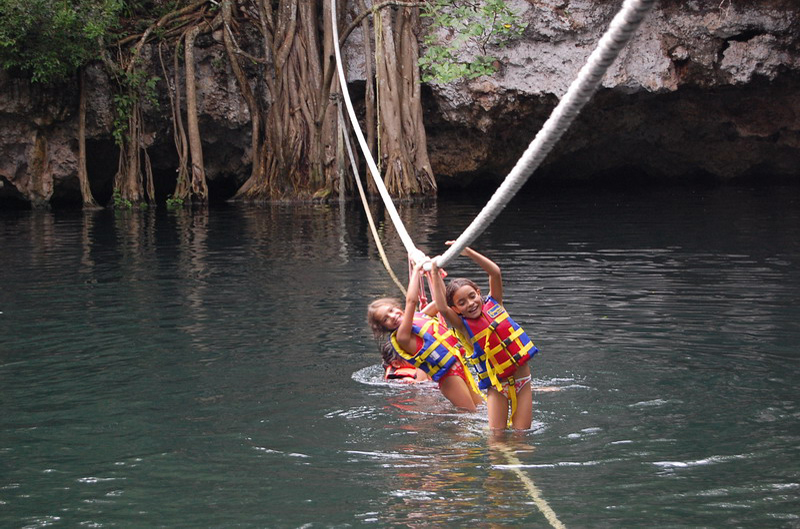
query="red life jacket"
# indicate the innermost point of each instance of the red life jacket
(396, 373)
(500, 345)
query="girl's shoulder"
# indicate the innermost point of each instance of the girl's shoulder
(490, 299)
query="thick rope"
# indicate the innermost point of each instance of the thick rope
(412, 250)
(343, 132)
(579, 93)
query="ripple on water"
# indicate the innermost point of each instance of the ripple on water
(711, 460)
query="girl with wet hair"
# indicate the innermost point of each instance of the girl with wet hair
(425, 343)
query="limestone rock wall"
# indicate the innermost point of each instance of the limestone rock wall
(705, 89)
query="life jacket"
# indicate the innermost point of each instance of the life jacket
(396, 373)
(499, 345)
(437, 347)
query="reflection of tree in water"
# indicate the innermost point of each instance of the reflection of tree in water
(421, 222)
(192, 231)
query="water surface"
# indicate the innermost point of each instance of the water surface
(213, 368)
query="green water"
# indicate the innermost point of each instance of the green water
(213, 369)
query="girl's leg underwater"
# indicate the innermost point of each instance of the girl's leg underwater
(524, 416)
(457, 392)
(497, 406)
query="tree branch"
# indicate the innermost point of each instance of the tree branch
(356, 21)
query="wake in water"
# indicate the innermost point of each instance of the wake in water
(419, 397)
(373, 376)
(424, 398)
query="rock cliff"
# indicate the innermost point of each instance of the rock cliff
(706, 90)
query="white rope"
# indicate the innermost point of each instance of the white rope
(376, 175)
(579, 93)
(343, 132)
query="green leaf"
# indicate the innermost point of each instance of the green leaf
(474, 26)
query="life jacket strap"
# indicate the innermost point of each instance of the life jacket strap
(470, 379)
(512, 396)
(439, 339)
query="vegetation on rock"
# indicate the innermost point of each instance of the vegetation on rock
(296, 148)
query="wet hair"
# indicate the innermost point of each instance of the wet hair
(454, 285)
(372, 319)
(389, 354)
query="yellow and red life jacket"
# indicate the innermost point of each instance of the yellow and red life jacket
(437, 347)
(499, 345)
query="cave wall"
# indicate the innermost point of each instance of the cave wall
(705, 90)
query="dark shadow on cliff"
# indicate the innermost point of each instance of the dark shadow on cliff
(481, 187)
(102, 158)
(10, 198)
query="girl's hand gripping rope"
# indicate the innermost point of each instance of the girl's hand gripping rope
(417, 256)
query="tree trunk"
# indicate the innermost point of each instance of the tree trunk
(83, 176)
(127, 181)
(257, 161)
(293, 154)
(413, 125)
(328, 114)
(400, 152)
(299, 155)
(369, 93)
(181, 190)
(197, 180)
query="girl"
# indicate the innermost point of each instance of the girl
(497, 347)
(396, 367)
(424, 342)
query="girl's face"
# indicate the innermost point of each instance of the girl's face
(389, 317)
(467, 302)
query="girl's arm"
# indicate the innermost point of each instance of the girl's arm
(430, 309)
(491, 269)
(403, 336)
(440, 298)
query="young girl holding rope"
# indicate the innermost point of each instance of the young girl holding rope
(425, 343)
(497, 347)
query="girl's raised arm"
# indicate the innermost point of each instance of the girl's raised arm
(491, 269)
(440, 298)
(403, 335)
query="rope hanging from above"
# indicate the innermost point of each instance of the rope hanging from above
(412, 250)
(372, 227)
(620, 31)
(579, 93)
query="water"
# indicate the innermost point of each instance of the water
(213, 369)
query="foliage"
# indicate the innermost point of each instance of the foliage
(50, 39)
(119, 202)
(174, 202)
(471, 25)
(136, 86)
